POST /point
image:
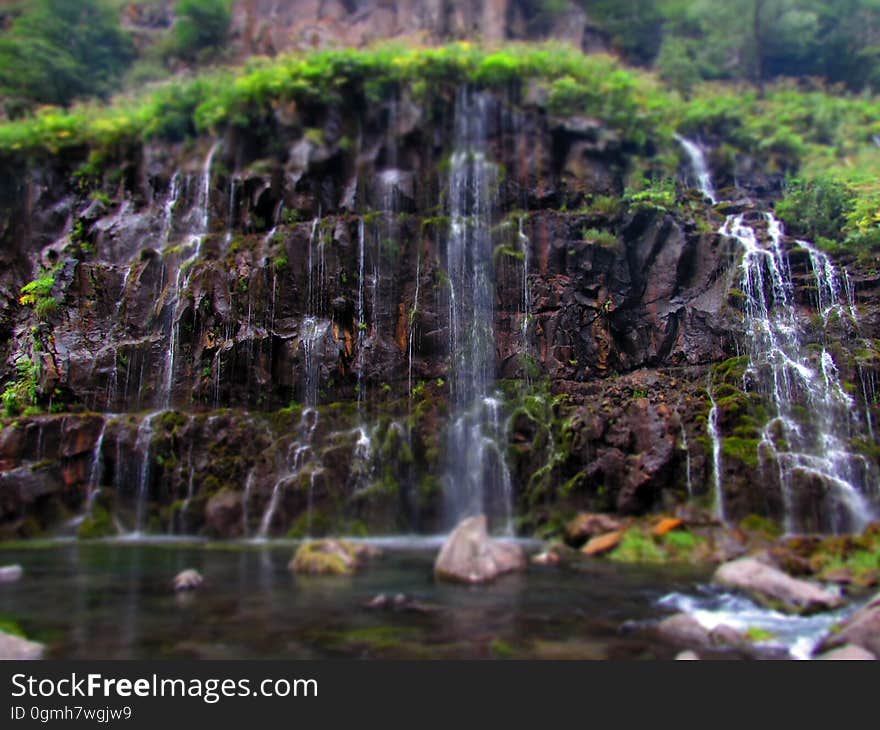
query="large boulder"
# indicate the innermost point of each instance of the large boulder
(471, 556)
(773, 588)
(862, 629)
(16, 648)
(684, 630)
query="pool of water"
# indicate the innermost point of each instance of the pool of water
(113, 600)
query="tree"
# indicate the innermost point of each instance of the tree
(202, 26)
(58, 50)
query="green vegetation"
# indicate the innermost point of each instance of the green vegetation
(639, 545)
(201, 28)
(21, 394)
(56, 51)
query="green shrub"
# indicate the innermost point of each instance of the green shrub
(816, 208)
(202, 26)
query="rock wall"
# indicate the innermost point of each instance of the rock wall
(208, 296)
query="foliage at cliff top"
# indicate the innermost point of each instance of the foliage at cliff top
(815, 131)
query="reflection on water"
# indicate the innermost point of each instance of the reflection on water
(114, 600)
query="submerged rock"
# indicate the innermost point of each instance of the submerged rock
(862, 629)
(16, 648)
(187, 580)
(469, 555)
(10, 573)
(773, 588)
(330, 557)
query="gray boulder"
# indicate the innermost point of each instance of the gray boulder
(471, 556)
(15, 648)
(773, 588)
(10, 573)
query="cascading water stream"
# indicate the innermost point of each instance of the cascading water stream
(810, 430)
(700, 167)
(477, 480)
(184, 267)
(142, 447)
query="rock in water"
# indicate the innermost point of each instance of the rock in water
(862, 629)
(10, 573)
(329, 557)
(848, 653)
(773, 588)
(188, 580)
(15, 648)
(469, 555)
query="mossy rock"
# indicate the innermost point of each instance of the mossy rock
(98, 524)
(328, 557)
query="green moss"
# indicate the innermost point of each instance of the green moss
(98, 524)
(638, 546)
(763, 526)
(11, 626)
(757, 634)
(743, 450)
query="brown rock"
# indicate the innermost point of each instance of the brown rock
(469, 555)
(590, 524)
(223, 513)
(667, 524)
(603, 543)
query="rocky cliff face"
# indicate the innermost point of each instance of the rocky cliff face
(249, 335)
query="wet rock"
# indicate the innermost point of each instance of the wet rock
(773, 588)
(590, 524)
(603, 543)
(849, 652)
(10, 573)
(469, 555)
(223, 513)
(187, 580)
(862, 629)
(683, 629)
(327, 557)
(548, 557)
(687, 656)
(399, 602)
(16, 648)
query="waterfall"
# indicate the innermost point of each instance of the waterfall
(203, 217)
(361, 322)
(700, 167)
(810, 430)
(525, 246)
(300, 457)
(142, 447)
(715, 438)
(476, 478)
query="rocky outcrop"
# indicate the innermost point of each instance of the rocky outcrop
(773, 588)
(469, 555)
(848, 652)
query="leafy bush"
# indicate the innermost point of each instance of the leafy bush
(22, 392)
(202, 26)
(816, 208)
(57, 51)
